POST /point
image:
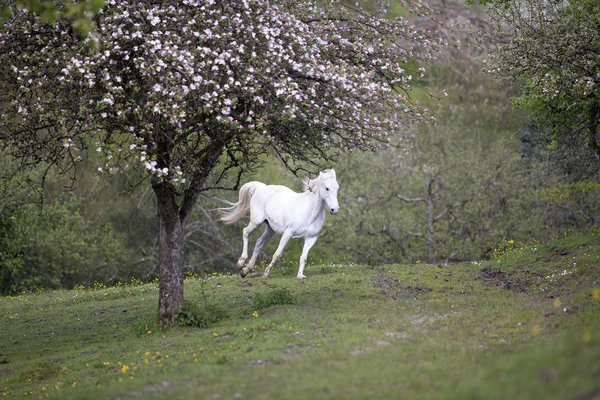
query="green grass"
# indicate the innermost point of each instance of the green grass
(523, 326)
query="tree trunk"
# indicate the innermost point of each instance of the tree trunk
(430, 236)
(171, 256)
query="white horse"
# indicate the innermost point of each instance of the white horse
(293, 215)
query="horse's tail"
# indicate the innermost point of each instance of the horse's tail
(232, 214)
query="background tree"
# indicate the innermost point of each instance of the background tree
(186, 92)
(428, 196)
(480, 179)
(89, 234)
(553, 47)
(446, 197)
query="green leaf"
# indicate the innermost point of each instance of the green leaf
(5, 12)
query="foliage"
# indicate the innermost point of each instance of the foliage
(550, 46)
(454, 202)
(275, 297)
(566, 177)
(561, 155)
(578, 202)
(10, 260)
(200, 316)
(565, 193)
(56, 247)
(41, 372)
(79, 14)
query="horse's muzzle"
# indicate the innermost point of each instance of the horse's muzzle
(334, 211)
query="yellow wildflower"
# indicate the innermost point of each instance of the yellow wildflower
(556, 303)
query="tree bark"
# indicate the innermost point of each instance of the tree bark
(171, 255)
(173, 209)
(430, 237)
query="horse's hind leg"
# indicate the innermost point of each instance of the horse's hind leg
(260, 244)
(284, 239)
(246, 233)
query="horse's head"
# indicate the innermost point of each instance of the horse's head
(327, 188)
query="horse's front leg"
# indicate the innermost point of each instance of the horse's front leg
(308, 243)
(246, 234)
(287, 235)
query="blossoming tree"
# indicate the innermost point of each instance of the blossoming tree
(187, 91)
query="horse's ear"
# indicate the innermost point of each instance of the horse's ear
(329, 171)
(311, 185)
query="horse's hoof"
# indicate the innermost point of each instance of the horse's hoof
(301, 276)
(244, 272)
(240, 264)
(265, 275)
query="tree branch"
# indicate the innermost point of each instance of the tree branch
(410, 199)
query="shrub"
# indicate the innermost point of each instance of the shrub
(201, 315)
(57, 247)
(278, 296)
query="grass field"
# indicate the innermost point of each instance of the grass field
(523, 326)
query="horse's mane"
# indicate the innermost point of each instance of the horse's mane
(310, 185)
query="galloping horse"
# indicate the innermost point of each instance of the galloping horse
(293, 215)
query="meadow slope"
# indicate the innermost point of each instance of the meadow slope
(525, 325)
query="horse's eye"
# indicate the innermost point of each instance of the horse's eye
(326, 188)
